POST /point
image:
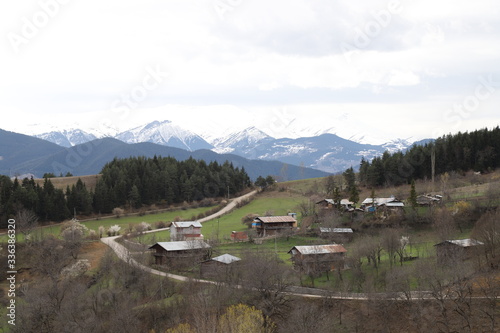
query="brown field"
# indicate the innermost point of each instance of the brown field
(62, 182)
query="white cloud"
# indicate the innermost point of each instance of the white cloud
(257, 55)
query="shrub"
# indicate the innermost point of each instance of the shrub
(114, 230)
(160, 225)
(118, 212)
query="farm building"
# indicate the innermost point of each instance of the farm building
(180, 231)
(180, 253)
(320, 258)
(372, 204)
(453, 251)
(428, 200)
(239, 236)
(221, 267)
(272, 225)
(345, 204)
(338, 235)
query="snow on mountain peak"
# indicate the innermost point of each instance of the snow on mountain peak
(164, 133)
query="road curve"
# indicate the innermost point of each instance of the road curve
(123, 253)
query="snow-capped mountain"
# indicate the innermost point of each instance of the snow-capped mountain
(164, 133)
(67, 138)
(397, 145)
(323, 151)
(326, 152)
(241, 142)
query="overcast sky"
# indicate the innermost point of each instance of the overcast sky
(377, 69)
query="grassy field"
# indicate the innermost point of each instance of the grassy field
(125, 222)
(90, 181)
(275, 203)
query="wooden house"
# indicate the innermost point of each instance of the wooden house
(345, 204)
(180, 231)
(450, 252)
(318, 258)
(222, 267)
(272, 225)
(180, 253)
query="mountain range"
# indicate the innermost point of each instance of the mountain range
(326, 152)
(21, 154)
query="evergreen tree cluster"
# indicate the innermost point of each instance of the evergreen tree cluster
(139, 180)
(47, 202)
(478, 151)
(133, 181)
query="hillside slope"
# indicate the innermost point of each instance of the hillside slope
(89, 158)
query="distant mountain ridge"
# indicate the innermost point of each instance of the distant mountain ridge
(327, 152)
(21, 154)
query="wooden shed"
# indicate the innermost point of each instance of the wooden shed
(180, 253)
(272, 225)
(320, 258)
(453, 251)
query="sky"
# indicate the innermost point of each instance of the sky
(368, 70)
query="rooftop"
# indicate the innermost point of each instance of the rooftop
(319, 249)
(187, 224)
(226, 259)
(463, 242)
(276, 219)
(182, 245)
(336, 230)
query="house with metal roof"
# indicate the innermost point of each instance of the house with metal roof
(189, 230)
(428, 200)
(345, 204)
(221, 267)
(318, 258)
(180, 253)
(272, 225)
(372, 204)
(453, 251)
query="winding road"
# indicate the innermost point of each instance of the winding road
(123, 253)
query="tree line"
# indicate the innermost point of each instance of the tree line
(478, 150)
(132, 182)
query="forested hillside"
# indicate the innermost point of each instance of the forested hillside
(133, 182)
(478, 151)
(139, 181)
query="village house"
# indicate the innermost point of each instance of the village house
(450, 252)
(428, 200)
(181, 253)
(221, 267)
(272, 225)
(345, 204)
(180, 231)
(372, 204)
(318, 258)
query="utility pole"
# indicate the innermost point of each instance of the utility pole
(433, 164)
